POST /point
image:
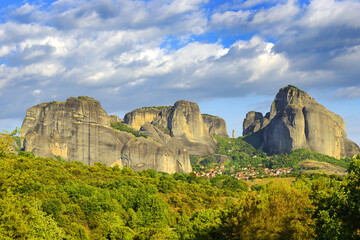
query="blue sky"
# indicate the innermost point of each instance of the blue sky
(228, 56)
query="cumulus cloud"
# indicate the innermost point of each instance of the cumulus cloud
(126, 52)
(274, 19)
(325, 13)
(349, 92)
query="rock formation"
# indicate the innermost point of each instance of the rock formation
(297, 121)
(139, 117)
(183, 122)
(114, 118)
(187, 125)
(254, 121)
(216, 125)
(79, 129)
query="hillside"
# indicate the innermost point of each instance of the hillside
(315, 167)
(242, 160)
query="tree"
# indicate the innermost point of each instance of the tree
(275, 212)
(351, 213)
(7, 141)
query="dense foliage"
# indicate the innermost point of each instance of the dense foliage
(123, 127)
(47, 199)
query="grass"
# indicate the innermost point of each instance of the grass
(311, 167)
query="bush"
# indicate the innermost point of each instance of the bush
(124, 128)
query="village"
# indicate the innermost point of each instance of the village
(246, 173)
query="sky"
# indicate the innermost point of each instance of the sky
(230, 57)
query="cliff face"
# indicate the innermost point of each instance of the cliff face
(216, 125)
(187, 125)
(114, 118)
(297, 121)
(79, 129)
(139, 117)
(254, 121)
(184, 123)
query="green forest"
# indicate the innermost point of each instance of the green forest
(43, 198)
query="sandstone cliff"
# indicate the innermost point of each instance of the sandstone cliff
(139, 117)
(114, 118)
(187, 125)
(297, 121)
(215, 125)
(79, 129)
(183, 122)
(254, 121)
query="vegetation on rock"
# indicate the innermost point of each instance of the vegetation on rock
(293, 87)
(123, 127)
(156, 108)
(208, 115)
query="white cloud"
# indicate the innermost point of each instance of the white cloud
(180, 6)
(25, 9)
(6, 50)
(277, 14)
(321, 13)
(275, 19)
(42, 69)
(158, 49)
(349, 92)
(36, 92)
(230, 18)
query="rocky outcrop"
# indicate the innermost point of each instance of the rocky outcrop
(139, 117)
(186, 124)
(183, 122)
(215, 125)
(297, 121)
(79, 129)
(114, 119)
(254, 121)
